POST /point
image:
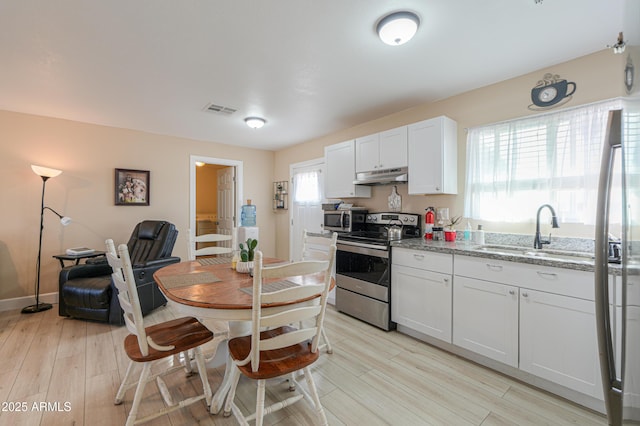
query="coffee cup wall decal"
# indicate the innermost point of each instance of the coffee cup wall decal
(551, 91)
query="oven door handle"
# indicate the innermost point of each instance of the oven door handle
(360, 248)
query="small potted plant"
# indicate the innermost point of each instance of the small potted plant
(450, 230)
(247, 252)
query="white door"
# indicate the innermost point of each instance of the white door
(307, 189)
(226, 201)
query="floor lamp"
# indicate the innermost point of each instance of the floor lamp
(45, 173)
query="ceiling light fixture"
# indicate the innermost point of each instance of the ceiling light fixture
(255, 122)
(398, 28)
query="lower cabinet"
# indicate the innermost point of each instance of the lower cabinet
(421, 291)
(558, 340)
(535, 318)
(485, 319)
(421, 300)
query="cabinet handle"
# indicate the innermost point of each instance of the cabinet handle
(547, 274)
(512, 292)
(446, 281)
(496, 268)
(525, 294)
(418, 256)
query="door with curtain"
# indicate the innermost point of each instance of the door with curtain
(307, 183)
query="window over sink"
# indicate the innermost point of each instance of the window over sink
(514, 167)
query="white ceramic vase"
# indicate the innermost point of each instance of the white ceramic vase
(244, 267)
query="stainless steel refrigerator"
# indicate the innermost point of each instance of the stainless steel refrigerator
(618, 320)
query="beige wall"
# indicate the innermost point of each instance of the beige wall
(597, 76)
(88, 154)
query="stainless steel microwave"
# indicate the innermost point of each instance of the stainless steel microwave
(345, 220)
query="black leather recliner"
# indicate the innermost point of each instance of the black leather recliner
(86, 290)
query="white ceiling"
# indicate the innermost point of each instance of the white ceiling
(309, 67)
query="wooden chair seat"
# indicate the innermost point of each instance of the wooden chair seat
(182, 333)
(275, 362)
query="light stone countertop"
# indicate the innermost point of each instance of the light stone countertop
(471, 249)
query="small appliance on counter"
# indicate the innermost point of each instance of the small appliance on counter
(346, 219)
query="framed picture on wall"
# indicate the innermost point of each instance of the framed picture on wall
(132, 187)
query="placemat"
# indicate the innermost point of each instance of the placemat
(271, 287)
(214, 260)
(189, 279)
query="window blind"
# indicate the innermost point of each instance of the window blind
(514, 167)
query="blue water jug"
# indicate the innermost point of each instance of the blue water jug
(248, 214)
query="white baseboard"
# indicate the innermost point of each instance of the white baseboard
(21, 302)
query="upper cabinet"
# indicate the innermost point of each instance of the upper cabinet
(340, 165)
(433, 156)
(385, 150)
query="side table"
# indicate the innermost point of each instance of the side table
(76, 257)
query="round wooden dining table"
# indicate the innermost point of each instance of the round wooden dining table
(210, 288)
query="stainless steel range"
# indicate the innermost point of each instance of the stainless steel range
(363, 266)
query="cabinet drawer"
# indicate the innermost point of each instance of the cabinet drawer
(437, 262)
(566, 282)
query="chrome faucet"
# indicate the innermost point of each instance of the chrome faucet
(538, 241)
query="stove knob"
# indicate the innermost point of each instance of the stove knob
(405, 219)
(412, 219)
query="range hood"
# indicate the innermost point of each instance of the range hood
(382, 177)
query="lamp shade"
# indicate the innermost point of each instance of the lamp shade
(45, 171)
(398, 28)
(255, 122)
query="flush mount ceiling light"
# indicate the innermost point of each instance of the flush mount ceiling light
(255, 122)
(398, 28)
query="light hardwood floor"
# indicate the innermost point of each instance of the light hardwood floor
(60, 371)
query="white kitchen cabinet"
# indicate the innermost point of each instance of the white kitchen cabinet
(432, 156)
(421, 292)
(558, 340)
(485, 319)
(536, 318)
(385, 150)
(340, 172)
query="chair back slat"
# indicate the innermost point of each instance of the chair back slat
(290, 316)
(288, 339)
(316, 247)
(295, 312)
(124, 281)
(226, 244)
(294, 293)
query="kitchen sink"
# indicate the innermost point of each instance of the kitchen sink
(561, 255)
(502, 249)
(550, 254)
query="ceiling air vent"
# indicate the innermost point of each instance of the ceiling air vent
(219, 109)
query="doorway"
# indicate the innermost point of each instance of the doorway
(218, 207)
(307, 194)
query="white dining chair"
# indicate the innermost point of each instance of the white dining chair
(275, 348)
(145, 345)
(317, 248)
(209, 250)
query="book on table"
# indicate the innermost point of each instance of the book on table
(79, 251)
